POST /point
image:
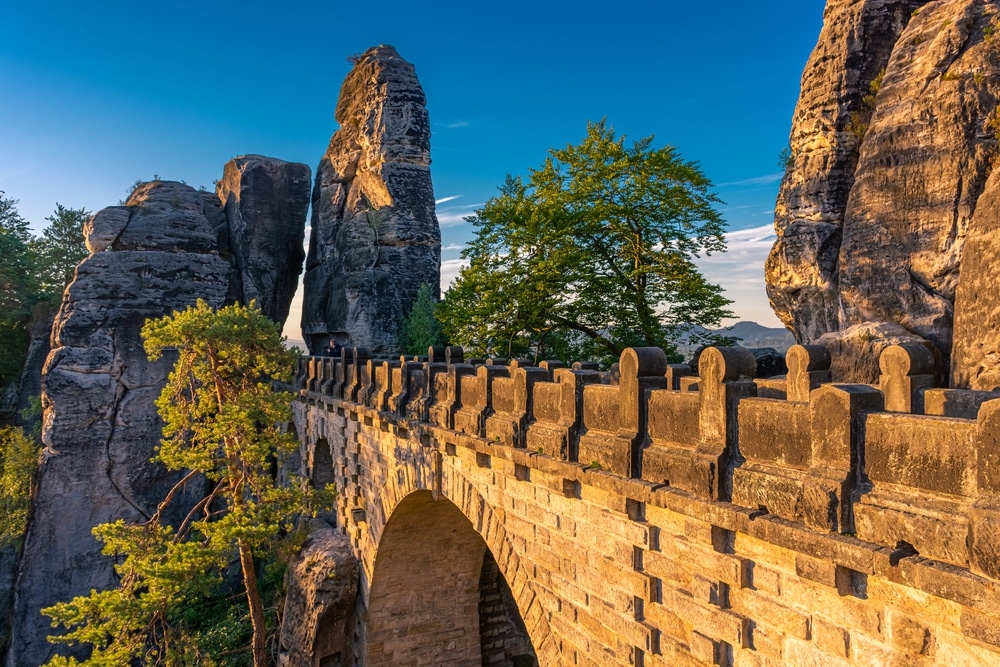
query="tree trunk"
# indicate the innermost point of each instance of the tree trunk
(258, 645)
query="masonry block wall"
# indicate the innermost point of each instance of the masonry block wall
(667, 519)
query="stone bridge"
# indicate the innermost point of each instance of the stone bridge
(508, 514)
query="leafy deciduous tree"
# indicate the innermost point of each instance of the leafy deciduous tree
(222, 420)
(590, 255)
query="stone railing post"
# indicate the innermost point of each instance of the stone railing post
(302, 372)
(808, 368)
(837, 432)
(384, 375)
(329, 365)
(558, 412)
(435, 365)
(642, 370)
(525, 378)
(985, 516)
(312, 375)
(471, 418)
(401, 377)
(907, 370)
(551, 367)
(725, 376)
(357, 374)
(443, 412)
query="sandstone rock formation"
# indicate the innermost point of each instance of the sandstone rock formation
(375, 238)
(976, 352)
(317, 628)
(266, 203)
(854, 45)
(875, 206)
(160, 252)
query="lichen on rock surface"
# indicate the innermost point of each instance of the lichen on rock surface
(375, 238)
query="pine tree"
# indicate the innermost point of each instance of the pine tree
(223, 419)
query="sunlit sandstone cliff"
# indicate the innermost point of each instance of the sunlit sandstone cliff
(892, 143)
(166, 247)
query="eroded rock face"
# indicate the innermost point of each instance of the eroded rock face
(375, 238)
(875, 207)
(266, 202)
(159, 253)
(802, 269)
(923, 165)
(317, 628)
(976, 352)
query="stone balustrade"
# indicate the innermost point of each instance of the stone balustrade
(851, 459)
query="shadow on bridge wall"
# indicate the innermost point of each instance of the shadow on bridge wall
(902, 472)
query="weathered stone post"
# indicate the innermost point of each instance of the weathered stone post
(513, 403)
(674, 374)
(357, 374)
(558, 412)
(907, 370)
(443, 412)
(726, 376)
(985, 515)
(808, 368)
(642, 370)
(838, 436)
(477, 400)
(385, 374)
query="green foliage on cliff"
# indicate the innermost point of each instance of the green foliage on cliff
(223, 420)
(421, 328)
(591, 254)
(18, 462)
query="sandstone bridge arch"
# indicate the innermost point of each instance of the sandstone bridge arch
(436, 557)
(662, 519)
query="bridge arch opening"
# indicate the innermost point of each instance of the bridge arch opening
(437, 596)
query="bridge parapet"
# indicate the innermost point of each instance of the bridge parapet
(898, 482)
(851, 459)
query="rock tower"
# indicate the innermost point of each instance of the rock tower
(375, 238)
(168, 246)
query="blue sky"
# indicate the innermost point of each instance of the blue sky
(96, 95)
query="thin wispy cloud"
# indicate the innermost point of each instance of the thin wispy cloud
(452, 216)
(767, 179)
(453, 246)
(455, 125)
(449, 271)
(438, 202)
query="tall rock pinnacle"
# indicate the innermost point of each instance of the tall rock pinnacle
(375, 238)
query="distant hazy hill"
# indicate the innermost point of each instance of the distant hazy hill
(750, 334)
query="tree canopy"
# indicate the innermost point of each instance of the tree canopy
(33, 271)
(223, 420)
(591, 254)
